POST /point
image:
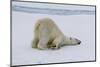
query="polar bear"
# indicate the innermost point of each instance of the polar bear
(48, 35)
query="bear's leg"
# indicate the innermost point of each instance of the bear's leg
(57, 42)
(35, 42)
(43, 41)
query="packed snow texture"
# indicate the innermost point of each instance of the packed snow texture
(81, 27)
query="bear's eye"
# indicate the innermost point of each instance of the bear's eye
(70, 38)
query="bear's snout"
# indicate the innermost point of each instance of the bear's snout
(78, 41)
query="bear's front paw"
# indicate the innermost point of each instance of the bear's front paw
(54, 47)
(41, 47)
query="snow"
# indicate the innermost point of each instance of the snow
(78, 26)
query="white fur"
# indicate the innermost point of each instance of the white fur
(48, 35)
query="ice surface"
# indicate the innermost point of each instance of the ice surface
(78, 26)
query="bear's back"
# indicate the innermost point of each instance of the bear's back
(47, 26)
(45, 23)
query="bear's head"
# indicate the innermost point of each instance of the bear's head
(71, 41)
